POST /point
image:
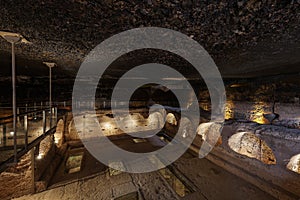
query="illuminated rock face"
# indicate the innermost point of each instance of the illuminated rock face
(171, 119)
(186, 128)
(210, 132)
(294, 164)
(72, 132)
(250, 145)
(58, 136)
(258, 112)
(135, 122)
(45, 146)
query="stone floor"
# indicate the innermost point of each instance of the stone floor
(211, 181)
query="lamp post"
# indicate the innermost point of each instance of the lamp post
(13, 38)
(50, 65)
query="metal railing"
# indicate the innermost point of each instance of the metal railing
(107, 104)
(30, 125)
(35, 104)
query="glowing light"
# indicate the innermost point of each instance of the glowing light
(12, 133)
(258, 111)
(133, 123)
(107, 126)
(184, 135)
(236, 85)
(260, 119)
(40, 156)
(229, 114)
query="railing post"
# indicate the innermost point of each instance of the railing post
(34, 108)
(18, 117)
(55, 111)
(32, 170)
(4, 134)
(83, 127)
(50, 117)
(14, 100)
(65, 126)
(26, 130)
(44, 121)
(37, 149)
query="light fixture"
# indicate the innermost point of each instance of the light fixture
(40, 156)
(14, 38)
(107, 126)
(236, 85)
(184, 135)
(12, 133)
(50, 65)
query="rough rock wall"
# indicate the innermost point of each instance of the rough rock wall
(66, 31)
(261, 154)
(253, 111)
(250, 145)
(59, 134)
(17, 180)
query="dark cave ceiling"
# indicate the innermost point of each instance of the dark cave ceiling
(245, 38)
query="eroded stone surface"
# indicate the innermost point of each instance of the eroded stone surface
(247, 36)
(252, 146)
(17, 180)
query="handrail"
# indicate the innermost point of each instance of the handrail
(4, 165)
(23, 114)
(7, 120)
(30, 103)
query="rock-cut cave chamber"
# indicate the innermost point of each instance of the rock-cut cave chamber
(47, 150)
